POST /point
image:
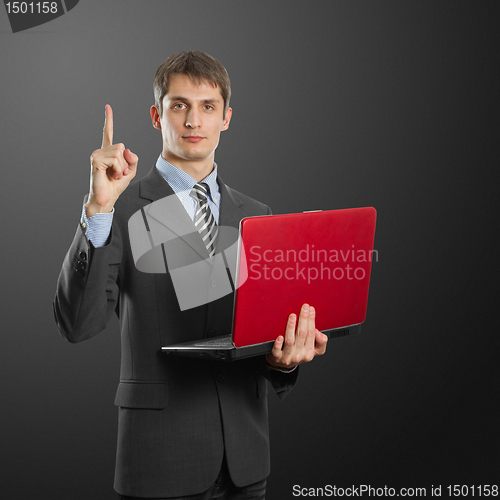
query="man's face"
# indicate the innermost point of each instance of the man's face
(191, 122)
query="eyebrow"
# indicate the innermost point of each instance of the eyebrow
(207, 101)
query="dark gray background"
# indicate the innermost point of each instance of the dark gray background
(336, 104)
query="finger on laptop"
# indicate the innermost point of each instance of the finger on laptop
(302, 327)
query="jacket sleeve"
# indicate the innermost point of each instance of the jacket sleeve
(87, 288)
(282, 383)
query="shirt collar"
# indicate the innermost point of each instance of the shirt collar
(181, 181)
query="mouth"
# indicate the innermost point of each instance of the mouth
(192, 138)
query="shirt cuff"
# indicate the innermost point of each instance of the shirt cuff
(282, 370)
(98, 227)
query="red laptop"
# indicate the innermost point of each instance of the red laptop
(322, 258)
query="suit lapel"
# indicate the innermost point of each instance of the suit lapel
(230, 206)
(230, 215)
(167, 209)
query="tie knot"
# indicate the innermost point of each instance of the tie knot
(200, 191)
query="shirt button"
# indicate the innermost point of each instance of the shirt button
(220, 377)
(213, 283)
(84, 225)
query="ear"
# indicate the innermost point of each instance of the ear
(155, 117)
(227, 119)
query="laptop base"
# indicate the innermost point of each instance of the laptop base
(222, 349)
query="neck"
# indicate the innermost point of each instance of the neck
(198, 170)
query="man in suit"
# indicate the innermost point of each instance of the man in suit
(187, 428)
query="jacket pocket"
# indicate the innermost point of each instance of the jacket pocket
(145, 395)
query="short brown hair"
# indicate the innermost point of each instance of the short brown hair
(198, 66)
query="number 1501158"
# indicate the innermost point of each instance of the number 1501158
(31, 7)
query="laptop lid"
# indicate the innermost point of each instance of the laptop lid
(322, 258)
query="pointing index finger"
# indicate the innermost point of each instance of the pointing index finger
(107, 132)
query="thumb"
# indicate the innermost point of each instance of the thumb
(321, 338)
(131, 158)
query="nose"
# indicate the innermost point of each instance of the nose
(193, 118)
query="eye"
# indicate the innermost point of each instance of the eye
(179, 105)
(208, 107)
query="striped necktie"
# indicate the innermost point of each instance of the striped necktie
(204, 220)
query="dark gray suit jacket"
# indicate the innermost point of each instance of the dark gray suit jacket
(177, 416)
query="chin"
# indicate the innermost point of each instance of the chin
(196, 155)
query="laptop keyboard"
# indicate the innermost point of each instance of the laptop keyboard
(226, 342)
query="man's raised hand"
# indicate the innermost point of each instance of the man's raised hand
(112, 169)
